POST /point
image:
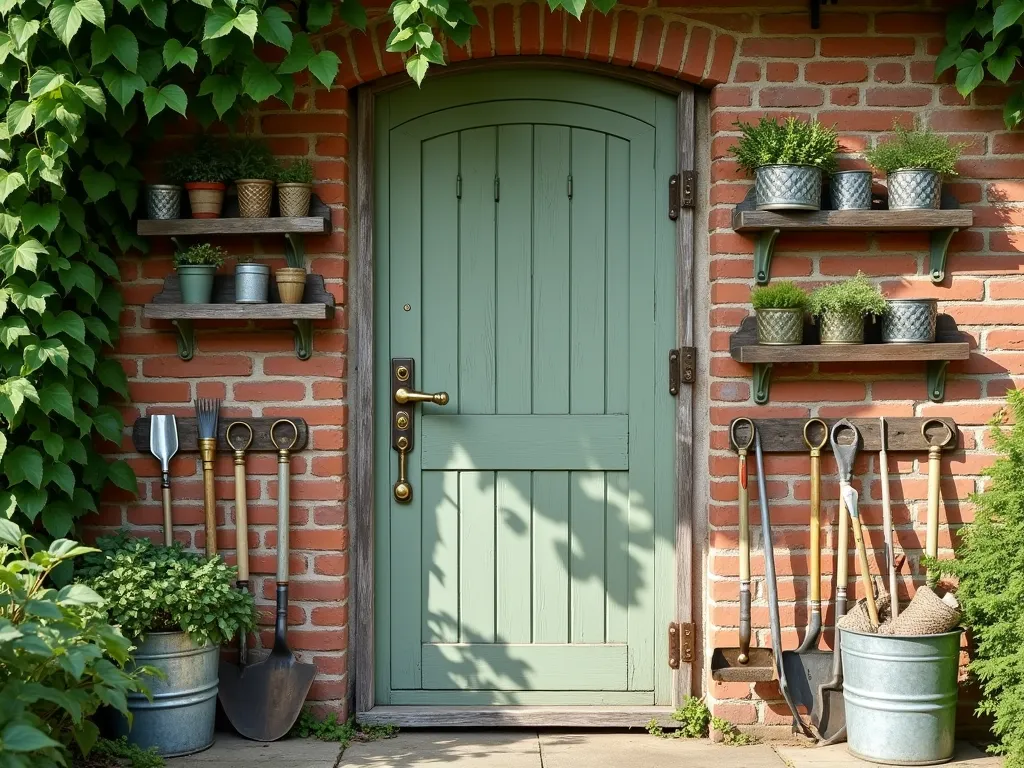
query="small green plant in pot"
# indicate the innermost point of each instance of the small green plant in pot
(915, 162)
(179, 607)
(203, 172)
(841, 308)
(787, 160)
(294, 188)
(255, 170)
(291, 280)
(196, 268)
(780, 311)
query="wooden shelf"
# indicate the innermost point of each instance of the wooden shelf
(948, 345)
(307, 225)
(317, 304)
(766, 226)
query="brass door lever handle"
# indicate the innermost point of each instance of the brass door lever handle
(403, 396)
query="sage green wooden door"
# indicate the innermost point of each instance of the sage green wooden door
(525, 260)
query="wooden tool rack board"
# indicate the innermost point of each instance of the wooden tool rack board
(188, 434)
(902, 434)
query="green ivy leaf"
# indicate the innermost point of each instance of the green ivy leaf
(319, 14)
(401, 40)
(98, 184)
(156, 11)
(61, 476)
(12, 329)
(119, 42)
(43, 81)
(1003, 63)
(111, 375)
(122, 475)
(22, 30)
(92, 95)
(108, 423)
(57, 519)
(16, 391)
(223, 90)
(66, 19)
(48, 351)
(53, 443)
(35, 215)
(92, 11)
(67, 322)
(416, 65)
(258, 82)
(402, 11)
(1013, 111)
(56, 397)
(19, 116)
(1006, 15)
(25, 255)
(247, 22)
(220, 21)
(8, 183)
(24, 464)
(324, 67)
(30, 297)
(122, 85)
(30, 500)
(274, 27)
(25, 738)
(970, 72)
(155, 100)
(175, 53)
(151, 64)
(353, 13)
(298, 57)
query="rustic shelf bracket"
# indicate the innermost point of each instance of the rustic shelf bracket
(764, 247)
(303, 339)
(186, 338)
(938, 247)
(762, 382)
(936, 380)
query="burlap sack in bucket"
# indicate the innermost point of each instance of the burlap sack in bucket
(857, 619)
(927, 614)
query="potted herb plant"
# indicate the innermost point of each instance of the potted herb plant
(196, 268)
(294, 187)
(842, 307)
(780, 309)
(291, 280)
(915, 162)
(203, 172)
(252, 282)
(178, 607)
(909, 321)
(786, 160)
(255, 171)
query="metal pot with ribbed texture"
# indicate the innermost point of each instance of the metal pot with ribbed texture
(252, 283)
(851, 190)
(909, 321)
(163, 201)
(787, 188)
(913, 189)
(780, 327)
(842, 327)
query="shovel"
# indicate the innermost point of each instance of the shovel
(264, 700)
(163, 444)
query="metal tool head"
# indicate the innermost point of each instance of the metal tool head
(946, 435)
(811, 426)
(239, 445)
(806, 673)
(845, 452)
(163, 439)
(264, 700)
(742, 444)
(281, 446)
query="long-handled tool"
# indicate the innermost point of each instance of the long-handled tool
(934, 470)
(207, 412)
(851, 498)
(808, 668)
(163, 444)
(264, 700)
(743, 664)
(773, 587)
(890, 551)
(241, 520)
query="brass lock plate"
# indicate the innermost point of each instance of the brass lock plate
(403, 374)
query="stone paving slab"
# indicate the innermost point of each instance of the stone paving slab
(967, 756)
(232, 751)
(640, 750)
(469, 749)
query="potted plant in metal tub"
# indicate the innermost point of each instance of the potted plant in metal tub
(179, 607)
(196, 267)
(909, 321)
(255, 171)
(780, 309)
(915, 162)
(786, 160)
(203, 172)
(841, 308)
(294, 188)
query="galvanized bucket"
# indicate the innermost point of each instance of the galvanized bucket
(780, 327)
(851, 190)
(913, 189)
(900, 695)
(179, 720)
(252, 283)
(842, 328)
(163, 201)
(909, 321)
(787, 188)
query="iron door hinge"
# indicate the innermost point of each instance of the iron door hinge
(681, 644)
(682, 368)
(681, 192)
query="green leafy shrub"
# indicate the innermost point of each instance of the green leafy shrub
(203, 253)
(779, 295)
(252, 159)
(792, 142)
(693, 717)
(118, 753)
(854, 295)
(915, 149)
(60, 660)
(296, 172)
(731, 735)
(330, 728)
(151, 588)
(209, 161)
(989, 566)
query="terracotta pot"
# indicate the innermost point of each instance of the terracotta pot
(291, 284)
(254, 197)
(206, 198)
(293, 198)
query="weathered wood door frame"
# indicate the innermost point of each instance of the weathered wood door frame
(361, 397)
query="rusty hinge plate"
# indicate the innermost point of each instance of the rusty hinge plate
(681, 192)
(682, 368)
(681, 640)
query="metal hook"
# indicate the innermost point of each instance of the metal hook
(227, 436)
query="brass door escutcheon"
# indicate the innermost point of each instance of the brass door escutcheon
(403, 379)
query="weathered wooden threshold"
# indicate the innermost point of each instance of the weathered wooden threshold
(515, 717)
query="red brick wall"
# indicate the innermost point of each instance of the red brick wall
(870, 63)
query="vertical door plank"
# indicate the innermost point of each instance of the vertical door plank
(440, 495)
(587, 590)
(515, 561)
(550, 555)
(476, 574)
(617, 381)
(476, 272)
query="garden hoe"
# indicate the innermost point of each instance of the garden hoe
(743, 664)
(264, 700)
(808, 668)
(934, 490)
(163, 444)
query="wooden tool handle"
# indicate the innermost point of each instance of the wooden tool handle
(283, 505)
(241, 522)
(843, 548)
(210, 508)
(743, 495)
(168, 524)
(865, 571)
(816, 532)
(932, 543)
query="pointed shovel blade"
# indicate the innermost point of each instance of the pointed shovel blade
(264, 700)
(163, 438)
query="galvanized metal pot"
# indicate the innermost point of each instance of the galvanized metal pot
(780, 327)
(787, 188)
(163, 201)
(912, 189)
(900, 695)
(851, 190)
(909, 321)
(252, 283)
(180, 718)
(196, 282)
(842, 328)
